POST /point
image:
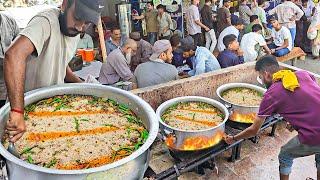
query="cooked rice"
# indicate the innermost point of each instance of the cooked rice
(192, 116)
(77, 132)
(243, 96)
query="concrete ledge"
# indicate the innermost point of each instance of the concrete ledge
(202, 85)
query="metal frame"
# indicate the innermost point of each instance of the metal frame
(209, 157)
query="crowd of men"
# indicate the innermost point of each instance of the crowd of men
(214, 40)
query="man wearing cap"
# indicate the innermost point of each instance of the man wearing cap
(159, 69)
(39, 56)
(223, 16)
(144, 51)
(281, 38)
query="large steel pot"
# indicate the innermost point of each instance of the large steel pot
(176, 138)
(131, 167)
(234, 108)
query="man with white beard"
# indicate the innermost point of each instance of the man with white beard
(117, 68)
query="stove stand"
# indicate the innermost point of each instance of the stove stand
(198, 161)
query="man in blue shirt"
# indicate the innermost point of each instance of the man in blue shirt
(233, 55)
(202, 59)
(115, 41)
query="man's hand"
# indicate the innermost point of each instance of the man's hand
(15, 126)
(293, 18)
(273, 51)
(165, 30)
(268, 52)
(207, 29)
(289, 127)
(229, 139)
(240, 52)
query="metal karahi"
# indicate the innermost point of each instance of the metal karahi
(191, 140)
(130, 167)
(239, 113)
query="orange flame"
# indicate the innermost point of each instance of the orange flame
(243, 118)
(196, 143)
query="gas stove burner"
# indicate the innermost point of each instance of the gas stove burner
(200, 160)
(243, 126)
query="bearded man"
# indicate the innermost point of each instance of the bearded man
(116, 71)
(40, 55)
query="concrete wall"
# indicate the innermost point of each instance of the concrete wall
(203, 85)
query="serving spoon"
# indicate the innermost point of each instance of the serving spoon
(13, 150)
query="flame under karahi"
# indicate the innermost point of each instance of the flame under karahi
(243, 118)
(196, 143)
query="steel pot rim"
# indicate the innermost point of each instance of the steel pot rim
(228, 86)
(213, 102)
(154, 127)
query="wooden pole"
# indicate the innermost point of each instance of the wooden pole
(102, 42)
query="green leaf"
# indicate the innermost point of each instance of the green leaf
(61, 106)
(30, 108)
(27, 150)
(76, 121)
(193, 116)
(112, 102)
(259, 94)
(108, 125)
(133, 119)
(144, 135)
(84, 119)
(30, 160)
(51, 163)
(94, 100)
(221, 115)
(136, 146)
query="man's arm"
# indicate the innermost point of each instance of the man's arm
(14, 75)
(198, 22)
(138, 17)
(247, 133)
(284, 45)
(266, 48)
(71, 77)
(299, 13)
(200, 65)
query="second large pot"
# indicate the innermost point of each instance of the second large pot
(245, 111)
(176, 139)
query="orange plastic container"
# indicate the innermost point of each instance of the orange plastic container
(81, 53)
(89, 55)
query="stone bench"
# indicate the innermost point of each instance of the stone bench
(295, 54)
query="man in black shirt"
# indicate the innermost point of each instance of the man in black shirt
(207, 20)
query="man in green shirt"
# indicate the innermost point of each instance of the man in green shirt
(254, 19)
(151, 20)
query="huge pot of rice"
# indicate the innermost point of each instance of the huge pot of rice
(114, 128)
(192, 123)
(242, 100)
